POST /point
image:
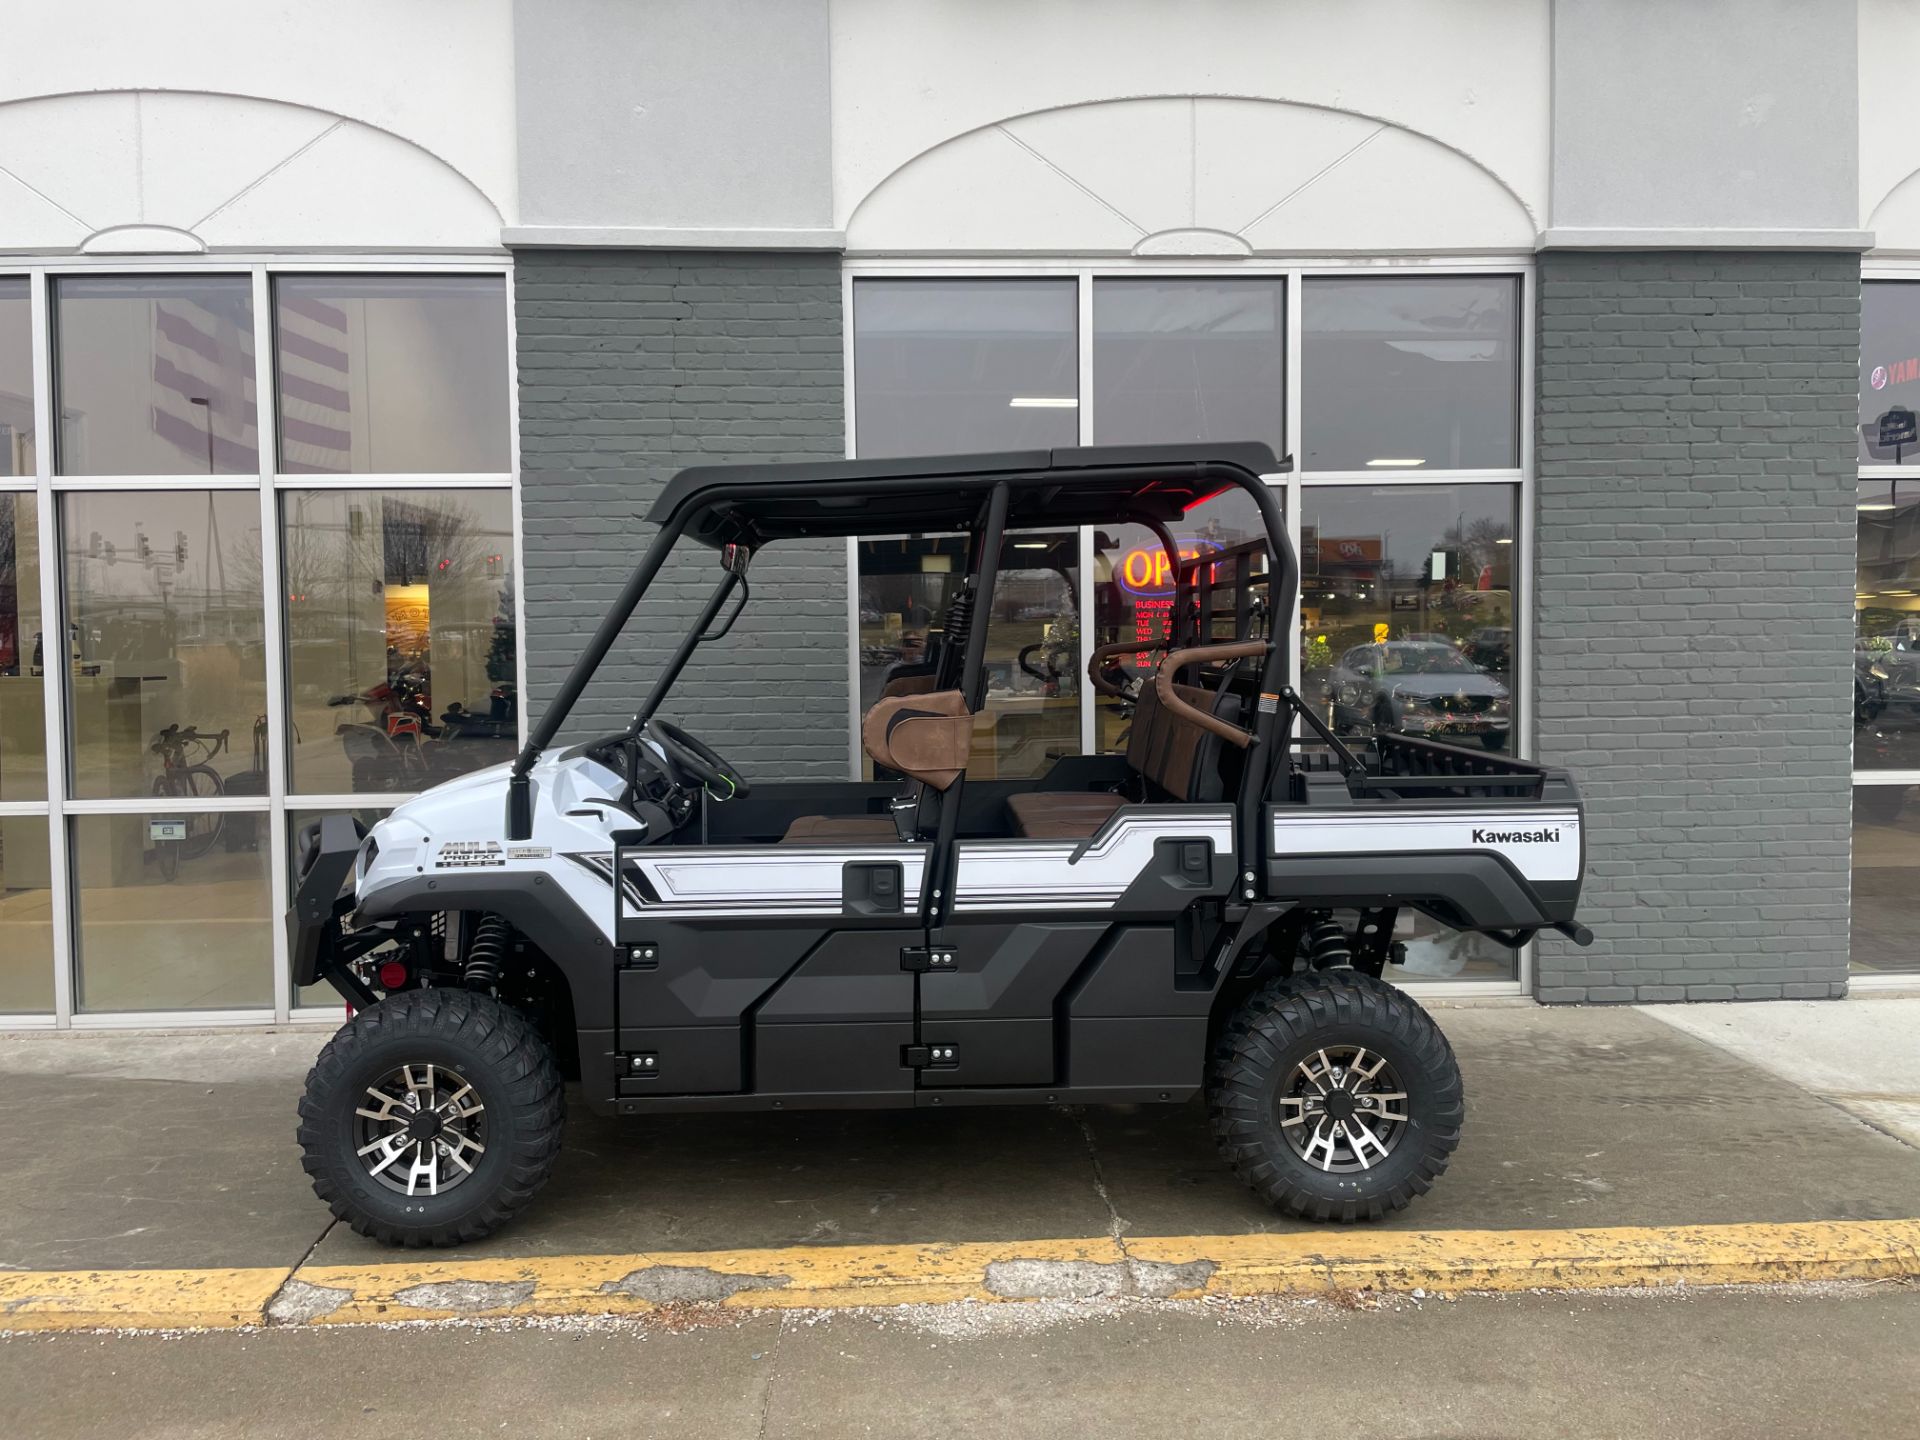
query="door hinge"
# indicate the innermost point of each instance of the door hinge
(645, 1065)
(641, 957)
(922, 958)
(930, 1057)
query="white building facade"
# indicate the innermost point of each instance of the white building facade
(332, 339)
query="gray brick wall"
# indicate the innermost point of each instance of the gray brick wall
(1695, 565)
(649, 361)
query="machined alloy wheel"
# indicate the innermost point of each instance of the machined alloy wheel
(1342, 1109)
(432, 1118)
(1334, 1096)
(422, 1129)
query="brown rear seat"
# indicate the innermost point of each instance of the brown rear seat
(1164, 752)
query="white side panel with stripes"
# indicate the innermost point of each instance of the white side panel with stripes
(1542, 844)
(1046, 875)
(750, 882)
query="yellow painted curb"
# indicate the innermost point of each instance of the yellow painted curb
(836, 1277)
(136, 1299)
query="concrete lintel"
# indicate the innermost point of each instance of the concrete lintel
(669, 237)
(1653, 238)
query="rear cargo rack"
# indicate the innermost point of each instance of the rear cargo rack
(1407, 767)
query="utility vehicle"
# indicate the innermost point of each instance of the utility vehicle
(637, 914)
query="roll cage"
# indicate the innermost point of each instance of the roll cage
(739, 509)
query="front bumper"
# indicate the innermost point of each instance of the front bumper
(322, 894)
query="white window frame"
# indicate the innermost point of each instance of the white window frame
(1296, 272)
(268, 483)
(1870, 271)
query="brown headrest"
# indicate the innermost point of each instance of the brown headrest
(924, 736)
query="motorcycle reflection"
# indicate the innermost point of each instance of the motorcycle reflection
(402, 749)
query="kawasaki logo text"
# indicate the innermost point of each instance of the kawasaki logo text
(1516, 837)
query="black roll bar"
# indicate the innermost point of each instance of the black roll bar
(519, 790)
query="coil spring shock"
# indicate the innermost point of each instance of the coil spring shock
(487, 954)
(1324, 944)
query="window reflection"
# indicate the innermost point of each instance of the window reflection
(1886, 608)
(23, 716)
(16, 378)
(169, 923)
(400, 634)
(1187, 360)
(1886, 876)
(1407, 373)
(164, 643)
(392, 374)
(1889, 372)
(156, 376)
(26, 916)
(1407, 610)
(1133, 590)
(955, 366)
(908, 587)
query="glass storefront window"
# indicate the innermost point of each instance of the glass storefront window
(1886, 610)
(155, 376)
(26, 916)
(1184, 360)
(1032, 713)
(1401, 372)
(1408, 608)
(1886, 876)
(401, 640)
(23, 716)
(16, 377)
(173, 911)
(1889, 372)
(392, 374)
(1133, 588)
(957, 366)
(164, 642)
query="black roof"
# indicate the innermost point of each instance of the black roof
(1081, 485)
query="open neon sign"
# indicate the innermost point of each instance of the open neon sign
(1147, 573)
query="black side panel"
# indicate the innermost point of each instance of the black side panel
(687, 1060)
(852, 975)
(1466, 891)
(1170, 1052)
(1134, 974)
(711, 974)
(996, 1006)
(832, 1059)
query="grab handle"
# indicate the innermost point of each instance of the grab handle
(1201, 655)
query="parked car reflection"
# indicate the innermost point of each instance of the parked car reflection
(1419, 687)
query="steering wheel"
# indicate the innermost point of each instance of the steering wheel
(698, 759)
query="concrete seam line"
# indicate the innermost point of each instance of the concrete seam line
(838, 1277)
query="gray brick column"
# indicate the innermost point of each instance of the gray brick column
(1694, 588)
(651, 361)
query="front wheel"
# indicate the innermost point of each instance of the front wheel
(1335, 1096)
(432, 1118)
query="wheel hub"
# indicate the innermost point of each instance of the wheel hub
(420, 1129)
(1343, 1109)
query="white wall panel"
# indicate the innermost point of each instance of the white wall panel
(434, 77)
(1149, 176)
(911, 77)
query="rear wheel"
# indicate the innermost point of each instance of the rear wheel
(432, 1118)
(1335, 1096)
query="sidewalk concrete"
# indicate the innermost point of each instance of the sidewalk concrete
(177, 1151)
(1833, 1362)
(1863, 1056)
